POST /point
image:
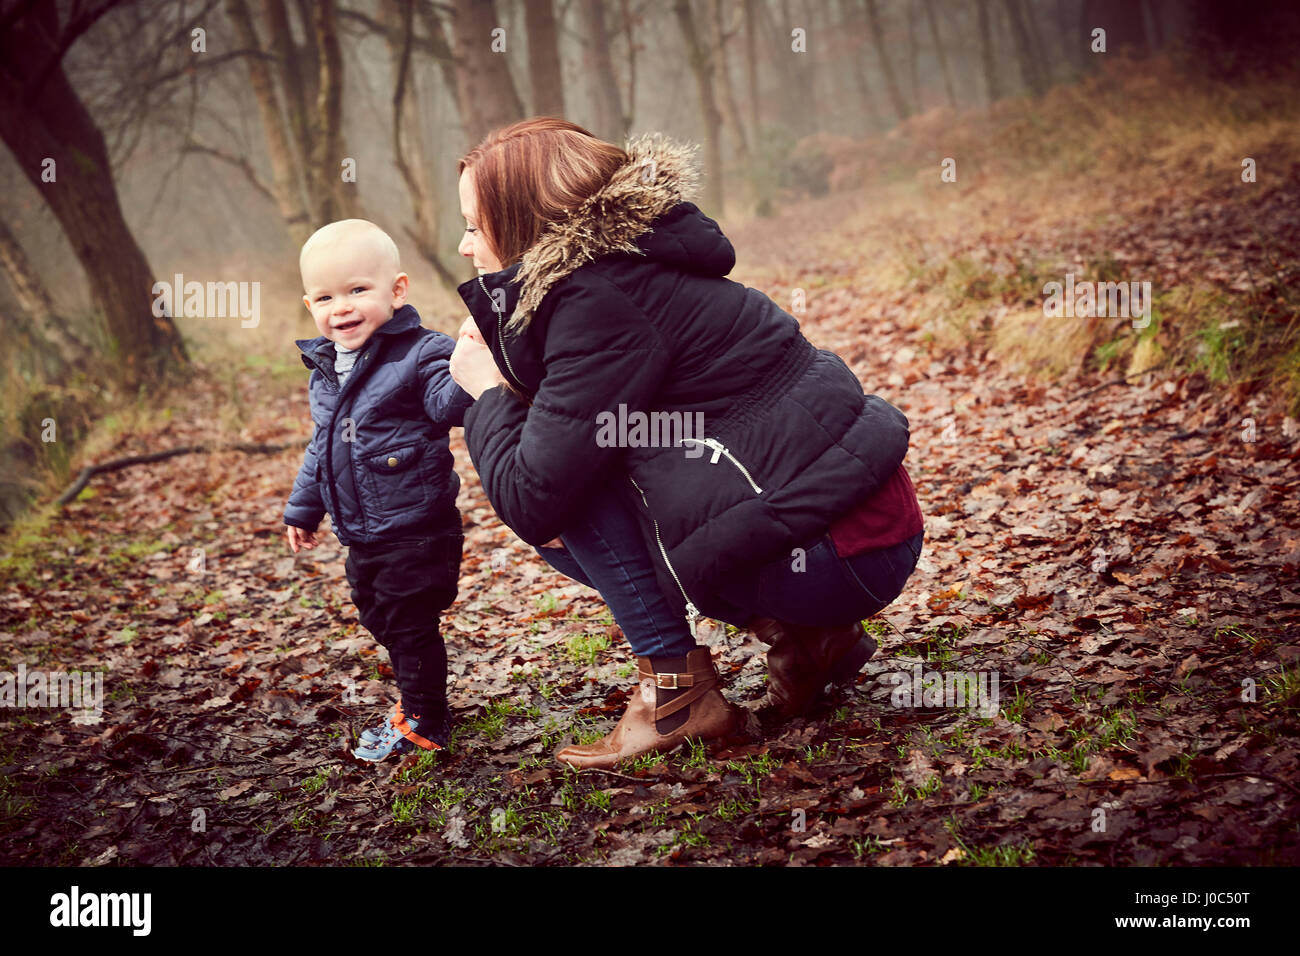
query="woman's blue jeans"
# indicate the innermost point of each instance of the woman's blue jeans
(813, 587)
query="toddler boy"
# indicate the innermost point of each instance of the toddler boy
(382, 400)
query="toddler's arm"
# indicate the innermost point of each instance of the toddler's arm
(445, 402)
(305, 508)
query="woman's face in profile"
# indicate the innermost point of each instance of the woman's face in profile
(474, 244)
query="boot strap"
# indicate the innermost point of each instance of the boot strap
(666, 681)
(695, 683)
(684, 700)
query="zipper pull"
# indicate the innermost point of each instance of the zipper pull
(692, 616)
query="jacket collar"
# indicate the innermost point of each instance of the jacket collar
(403, 320)
(660, 173)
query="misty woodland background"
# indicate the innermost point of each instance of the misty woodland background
(1111, 512)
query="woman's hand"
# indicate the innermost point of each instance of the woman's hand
(470, 327)
(472, 365)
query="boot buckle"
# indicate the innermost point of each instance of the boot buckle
(661, 681)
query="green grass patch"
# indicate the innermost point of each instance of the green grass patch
(585, 649)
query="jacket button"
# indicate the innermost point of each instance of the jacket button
(392, 463)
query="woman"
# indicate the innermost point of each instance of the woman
(779, 500)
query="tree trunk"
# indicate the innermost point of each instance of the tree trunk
(630, 37)
(1036, 45)
(286, 166)
(913, 85)
(544, 58)
(441, 51)
(42, 319)
(333, 198)
(941, 53)
(698, 59)
(51, 122)
(610, 123)
(991, 82)
(310, 68)
(408, 138)
(737, 121)
(286, 61)
(1074, 42)
(487, 91)
(1029, 67)
(901, 108)
(800, 102)
(855, 29)
(301, 109)
(751, 65)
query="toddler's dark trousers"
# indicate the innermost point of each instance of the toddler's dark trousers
(399, 588)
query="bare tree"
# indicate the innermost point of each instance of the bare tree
(297, 89)
(38, 317)
(940, 53)
(299, 95)
(1073, 44)
(332, 197)
(630, 21)
(1029, 12)
(913, 83)
(45, 122)
(901, 107)
(432, 43)
(485, 89)
(855, 29)
(544, 58)
(992, 84)
(723, 31)
(413, 162)
(1030, 68)
(610, 120)
(797, 69)
(751, 64)
(284, 139)
(697, 56)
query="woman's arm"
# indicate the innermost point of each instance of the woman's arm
(540, 463)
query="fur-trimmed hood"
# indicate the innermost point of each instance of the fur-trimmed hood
(656, 187)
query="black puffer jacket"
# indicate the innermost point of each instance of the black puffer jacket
(792, 441)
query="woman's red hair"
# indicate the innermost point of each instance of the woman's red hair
(530, 174)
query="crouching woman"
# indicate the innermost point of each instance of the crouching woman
(781, 504)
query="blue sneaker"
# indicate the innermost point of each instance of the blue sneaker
(403, 736)
(372, 735)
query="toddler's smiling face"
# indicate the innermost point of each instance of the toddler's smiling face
(351, 281)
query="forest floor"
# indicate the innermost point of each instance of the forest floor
(1121, 554)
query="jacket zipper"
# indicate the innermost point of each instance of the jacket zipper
(329, 442)
(501, 334)
(692, 612)
(719, 450)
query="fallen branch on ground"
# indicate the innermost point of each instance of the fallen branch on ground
(83, 479)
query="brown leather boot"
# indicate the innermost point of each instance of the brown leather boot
(803, 660)
(710, 715)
